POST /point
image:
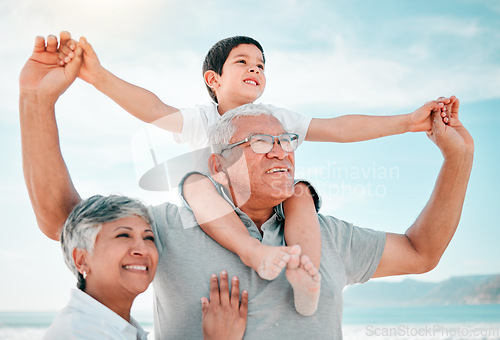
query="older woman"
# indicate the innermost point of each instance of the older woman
(109, 245)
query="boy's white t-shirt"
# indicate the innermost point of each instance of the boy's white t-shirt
(197, 122)
(198, 119)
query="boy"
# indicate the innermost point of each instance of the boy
(233, 71)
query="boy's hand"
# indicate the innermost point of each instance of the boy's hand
(67, 48)
(91, 67)
(449, 114)
(420, 119)
(223, 316)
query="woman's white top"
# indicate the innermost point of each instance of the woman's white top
(86, 318)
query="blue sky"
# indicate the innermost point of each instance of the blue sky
(324, 58)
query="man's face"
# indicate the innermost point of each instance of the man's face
(242, 79)
(264, 179)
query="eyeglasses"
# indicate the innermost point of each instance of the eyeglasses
(262, 143)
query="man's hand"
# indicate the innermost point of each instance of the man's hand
(223, 316)
(448, 133)
(43, 75)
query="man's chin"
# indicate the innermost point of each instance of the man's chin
(280, 197)
(282, 193)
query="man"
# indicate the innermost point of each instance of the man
(350, 254)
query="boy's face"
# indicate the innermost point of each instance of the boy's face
(242, 80)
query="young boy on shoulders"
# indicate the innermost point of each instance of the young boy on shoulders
(233, 72)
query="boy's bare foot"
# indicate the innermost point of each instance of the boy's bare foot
(306, 283)
(269, 261)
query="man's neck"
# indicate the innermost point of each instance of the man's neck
(257, 210)
(258, 215)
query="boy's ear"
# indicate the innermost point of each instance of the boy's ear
(211, 79)
(217, 170)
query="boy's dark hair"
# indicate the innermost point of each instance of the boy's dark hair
(217, 55)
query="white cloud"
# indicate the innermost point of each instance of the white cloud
(439, 25)
(104, 19)
(352, 80)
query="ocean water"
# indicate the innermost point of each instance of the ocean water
(32, 325)
(421, 322)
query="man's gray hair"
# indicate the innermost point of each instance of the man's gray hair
(221, 132)
(85, 221)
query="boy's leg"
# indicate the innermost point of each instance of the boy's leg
(219, 221)
(302, 228)
(301, 223)
(305, 280)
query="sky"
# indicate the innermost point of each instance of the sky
(323, 59)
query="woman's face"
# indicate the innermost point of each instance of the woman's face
(124, 259)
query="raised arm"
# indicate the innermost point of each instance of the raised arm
(421, 247)
(355, 128)
(41, 82)
(137, 101)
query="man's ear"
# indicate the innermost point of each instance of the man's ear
(80, 259)
(211, 79)
(217, 170)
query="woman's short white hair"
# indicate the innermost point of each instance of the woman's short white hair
(221, 132)
(85, 221)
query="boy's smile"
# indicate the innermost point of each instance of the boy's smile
(242, 80)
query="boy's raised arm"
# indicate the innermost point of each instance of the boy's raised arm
(138, 101)
(42, 81)
(355, 128)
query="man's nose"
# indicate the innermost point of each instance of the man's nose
(277, 151)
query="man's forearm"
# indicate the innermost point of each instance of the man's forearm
(437, 223)
(49, 185)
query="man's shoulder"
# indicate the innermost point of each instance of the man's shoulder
(342, 233)
(170, 215)
(168, 218)
(335, 230)
(333, 223)
(165, 210)
(338, 225)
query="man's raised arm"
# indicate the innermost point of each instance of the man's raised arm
(421, 247)
(42, 81)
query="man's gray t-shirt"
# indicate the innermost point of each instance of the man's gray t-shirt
(188, 257)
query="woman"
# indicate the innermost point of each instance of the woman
(108, 244)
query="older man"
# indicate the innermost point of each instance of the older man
(349, 254)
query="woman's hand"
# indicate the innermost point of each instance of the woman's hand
(224, 317)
